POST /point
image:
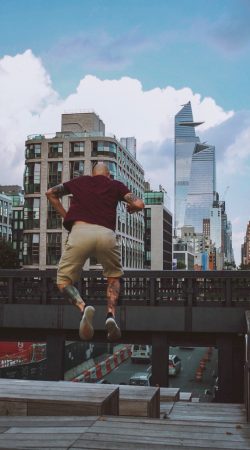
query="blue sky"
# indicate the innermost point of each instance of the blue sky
(134, 62)
(201, 44)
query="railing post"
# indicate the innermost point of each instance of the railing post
(10, 289)
(152, 290)
(228, 292)
(160, 356)
(189, 304)
(44, 287)
(247, 367)
(55, 357)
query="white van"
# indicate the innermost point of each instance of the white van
(141, 353)
(141, 379)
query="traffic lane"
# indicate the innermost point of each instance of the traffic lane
(185, 380)
(124, 371)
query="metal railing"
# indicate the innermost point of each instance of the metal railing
(139, 287)
(247, 368)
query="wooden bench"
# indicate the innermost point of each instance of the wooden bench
(169, 394)
(52, 398)
(139, 401)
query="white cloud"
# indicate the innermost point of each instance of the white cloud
(29, 104)
(25, 91)
(237, 155)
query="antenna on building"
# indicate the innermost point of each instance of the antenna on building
(225, 193)
(161, 188)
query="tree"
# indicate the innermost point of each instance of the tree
(8, 256)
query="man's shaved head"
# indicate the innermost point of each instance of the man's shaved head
(101, 169)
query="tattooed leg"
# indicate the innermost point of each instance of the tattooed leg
(72, 295)
(113, 291)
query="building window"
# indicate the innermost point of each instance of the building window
(55, 150)
(32, 178)
(54, 173)
(76, 169)
(31, 213)
(54, 241)
(31, 248)
(104, 148)
(54, 219)
(154, 198)
(33, 151)
(77, 149)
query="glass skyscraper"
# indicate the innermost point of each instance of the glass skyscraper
(194, 173)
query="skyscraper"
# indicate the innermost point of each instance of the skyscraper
(201, 186)
(194, 173)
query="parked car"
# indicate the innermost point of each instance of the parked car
(141, 353)
(174, 365)
(141, 379)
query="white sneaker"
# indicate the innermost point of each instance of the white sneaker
(114, 332)
(86, 329)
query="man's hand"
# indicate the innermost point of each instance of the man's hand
(134, 204)
(131, 209)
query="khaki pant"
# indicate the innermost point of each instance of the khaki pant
(87, 240)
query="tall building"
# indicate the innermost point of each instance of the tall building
(5, 217)
(245, 248)
(194, 173)
(158, 232)
(53, 159)
(15, 194)
(201, 186)
(130, 144)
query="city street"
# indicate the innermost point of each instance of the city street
(185, 380)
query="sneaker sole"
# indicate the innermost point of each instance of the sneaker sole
(113, 330)
(86, 330)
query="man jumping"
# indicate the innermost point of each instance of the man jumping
(91, 221)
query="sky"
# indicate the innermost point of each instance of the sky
(135, 63)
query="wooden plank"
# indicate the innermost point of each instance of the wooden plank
(153, 438)
(166, 431)
(13, 408)
(46, 430)
(33, 441)
(63, 409)
(53, 421)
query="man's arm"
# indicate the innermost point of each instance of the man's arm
(134, 203)
(54, 194)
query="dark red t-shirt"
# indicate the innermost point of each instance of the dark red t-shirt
(94, 200)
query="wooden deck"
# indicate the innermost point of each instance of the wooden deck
(183, 426)
(125, 433)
